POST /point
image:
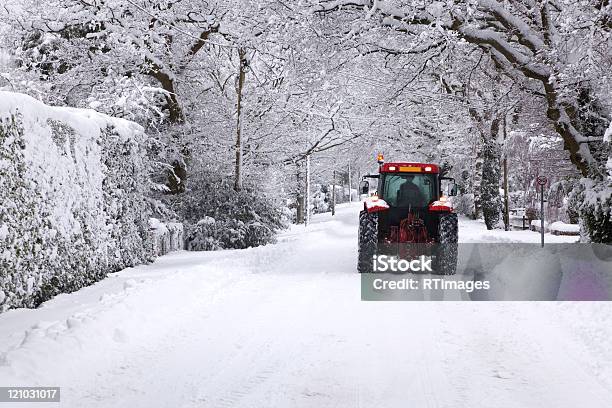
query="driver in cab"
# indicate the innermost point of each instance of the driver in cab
(409, 194)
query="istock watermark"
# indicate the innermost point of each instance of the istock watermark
(393, 264)
(489, 272)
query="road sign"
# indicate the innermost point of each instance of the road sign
(542, 180)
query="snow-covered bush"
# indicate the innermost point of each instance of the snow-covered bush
(202, 236)
(593, 201)
(561, 228)
(319, 201)
(72, 205)
(210, 234)
(167, 237)
(218, 217)
(490, 197)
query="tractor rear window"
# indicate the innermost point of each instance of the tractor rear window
(409, 189)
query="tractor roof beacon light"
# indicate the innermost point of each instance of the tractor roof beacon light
(380, 158)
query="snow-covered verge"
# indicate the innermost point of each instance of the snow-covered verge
(72, 203)
(561, 228)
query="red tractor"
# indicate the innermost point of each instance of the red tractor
(409, 215)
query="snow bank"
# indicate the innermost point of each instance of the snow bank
(561, 228)
(474, 231)
(556, 228)
(72, 203)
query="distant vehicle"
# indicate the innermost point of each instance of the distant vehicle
(408, 207)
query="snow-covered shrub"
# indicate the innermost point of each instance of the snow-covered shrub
(593, 201)
(72, 205)
(319, 201)
(490, 197)
(572, 208)
(202, 236)
(209, 234)
(167, 237)
(217, 216)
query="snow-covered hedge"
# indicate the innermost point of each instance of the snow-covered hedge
(556, 228)
(72, 205)
(561, 228)
(167, 237)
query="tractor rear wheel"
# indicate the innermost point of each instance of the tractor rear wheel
(447, 247)
(368, 240)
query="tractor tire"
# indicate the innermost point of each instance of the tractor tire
(448, 245)
(368, 241)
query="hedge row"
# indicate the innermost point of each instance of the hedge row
(72, 203)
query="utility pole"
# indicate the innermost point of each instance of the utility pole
(334, 194)
(307, 218)
(349, 183)
(505, 165)
(542, 212)
(242, 67)
(299, 197)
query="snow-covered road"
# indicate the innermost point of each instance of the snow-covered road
(283, 326)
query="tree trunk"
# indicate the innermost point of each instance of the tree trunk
(177, 176)
(241, 77)
(333, 209)
(175, 112)
(299, 196)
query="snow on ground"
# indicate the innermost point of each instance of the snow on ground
(283, 326)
